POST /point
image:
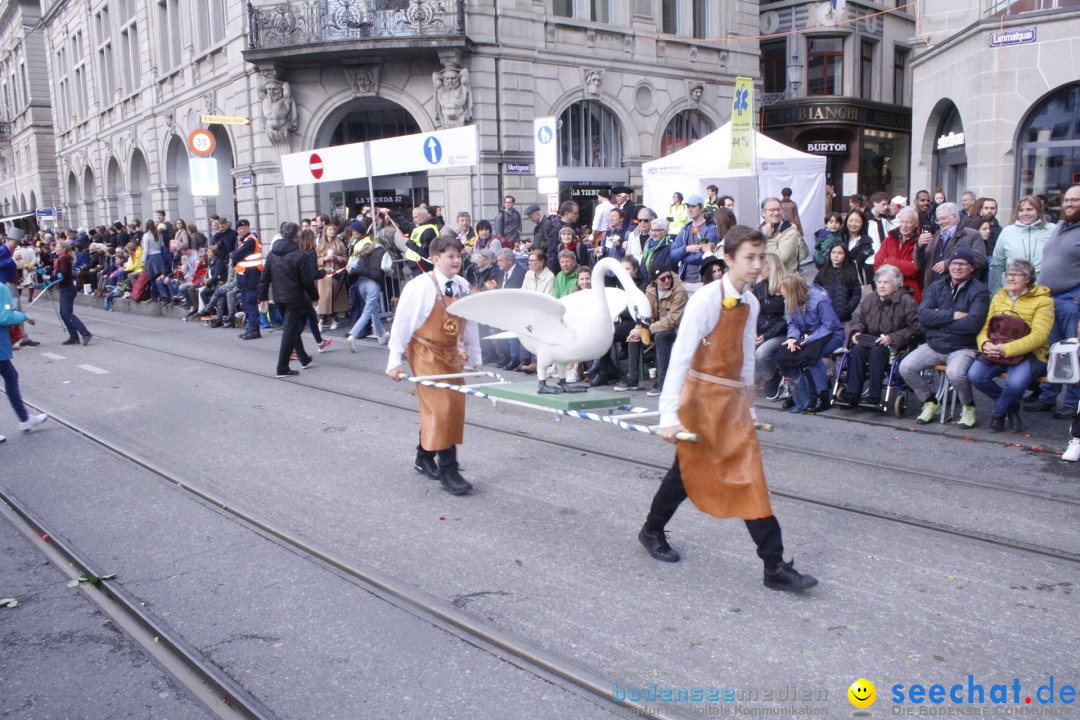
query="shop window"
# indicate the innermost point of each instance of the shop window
(589, 136)
(687, 127)
(773, 70)
(825, 66)
(1049, 152)
(883, 162)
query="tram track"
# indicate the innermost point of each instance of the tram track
(849, 508)
(212, 688)
(201, 676)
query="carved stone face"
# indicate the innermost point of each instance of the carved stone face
(452, 79)
(274, 91)
(696, 92)
(592, 82)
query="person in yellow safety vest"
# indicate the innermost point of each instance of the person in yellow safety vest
(248, 261)
(676, 214)
(420, 241)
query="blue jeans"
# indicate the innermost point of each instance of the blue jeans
(982, 376)
(371, 292)
(1066, 317)
(11, 387)
(73, 324)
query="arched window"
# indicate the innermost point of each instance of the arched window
(687, 127)
(1049, 148)
(589, 136)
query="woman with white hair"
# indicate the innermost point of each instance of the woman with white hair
(885, 323)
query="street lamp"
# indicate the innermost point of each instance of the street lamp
(795, 73)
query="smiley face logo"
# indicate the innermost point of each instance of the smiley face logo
(862, 693)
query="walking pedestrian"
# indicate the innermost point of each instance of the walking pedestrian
(62, 270)
(707, 391)
(287, 272)
(9, 318)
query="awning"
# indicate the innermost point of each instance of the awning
(9, 218)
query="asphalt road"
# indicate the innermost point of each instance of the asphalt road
(544, 550)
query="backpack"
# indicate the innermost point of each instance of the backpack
(141, 289)
(802, 392)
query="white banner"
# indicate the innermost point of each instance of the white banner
(342, 162)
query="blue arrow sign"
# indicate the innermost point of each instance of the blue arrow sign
(544, 135)
(432, 150)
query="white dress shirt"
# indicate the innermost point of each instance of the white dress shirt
(698, 320)
(601, 220)
(417, 300)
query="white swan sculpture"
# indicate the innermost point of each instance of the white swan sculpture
(576, 328)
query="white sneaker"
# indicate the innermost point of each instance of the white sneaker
(3, 439)
(1072, 453)
(572, 377)
(352, 343)
(33, 422)
(333, 325)
(385, 337)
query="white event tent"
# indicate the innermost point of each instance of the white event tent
(776, 166)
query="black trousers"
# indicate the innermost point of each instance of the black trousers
(665, 340)
(867, 364)
(295, 318)
(765, 532)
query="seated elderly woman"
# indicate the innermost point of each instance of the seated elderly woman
(1020, 359)
(885, 323)
(480, 274)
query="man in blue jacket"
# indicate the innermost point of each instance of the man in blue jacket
(952, 311)
(9, 317)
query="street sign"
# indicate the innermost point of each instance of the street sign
(518, 168)
(245, 180)
(224, 120)
(1013, 36)
(202, 143)
(545, 149)
(204, 177)
(458, 147)
(342, 162)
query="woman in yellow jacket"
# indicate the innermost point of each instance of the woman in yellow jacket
(135, 260)
(1022, 297)
(676, 214)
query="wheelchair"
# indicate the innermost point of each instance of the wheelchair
(894, 392)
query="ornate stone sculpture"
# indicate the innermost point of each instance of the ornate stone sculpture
(279, 110)
(594, 80)
(694, 91)
(364, 79)
(453, 95)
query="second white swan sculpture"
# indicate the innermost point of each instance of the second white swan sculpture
(576, 328)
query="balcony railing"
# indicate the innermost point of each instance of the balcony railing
(1023, 7)
(304, 22)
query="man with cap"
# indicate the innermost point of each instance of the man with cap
(667, 298)
(697, 237)
(539, 238)
(897, 204)
(624, 201)
(248, 261)
(953, 310)
(601, 218)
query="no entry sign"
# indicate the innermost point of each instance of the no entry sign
(316, 166)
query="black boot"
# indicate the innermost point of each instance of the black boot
(784, 576)
(655, 541)
(1013, 419)
(425, 463)
(823, 402)
(449, 474)
(997, 423)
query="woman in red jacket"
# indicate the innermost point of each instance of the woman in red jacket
(898, 250)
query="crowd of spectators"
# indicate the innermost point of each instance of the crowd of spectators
(885, 281)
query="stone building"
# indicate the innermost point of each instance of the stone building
(997, 107)
(839, 85)
(131, 79)
(27, 153)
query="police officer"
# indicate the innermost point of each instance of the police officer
(248, 261)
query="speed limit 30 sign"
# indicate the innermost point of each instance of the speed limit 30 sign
(201, 142)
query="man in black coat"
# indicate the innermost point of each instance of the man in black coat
(289, 274)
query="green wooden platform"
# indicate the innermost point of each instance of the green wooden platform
(591, 399)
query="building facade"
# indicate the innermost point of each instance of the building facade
(27, 150)
(997, 102)
(838, 85)
(131, 79)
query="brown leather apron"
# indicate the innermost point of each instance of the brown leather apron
(722, 472)
(433, 350)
